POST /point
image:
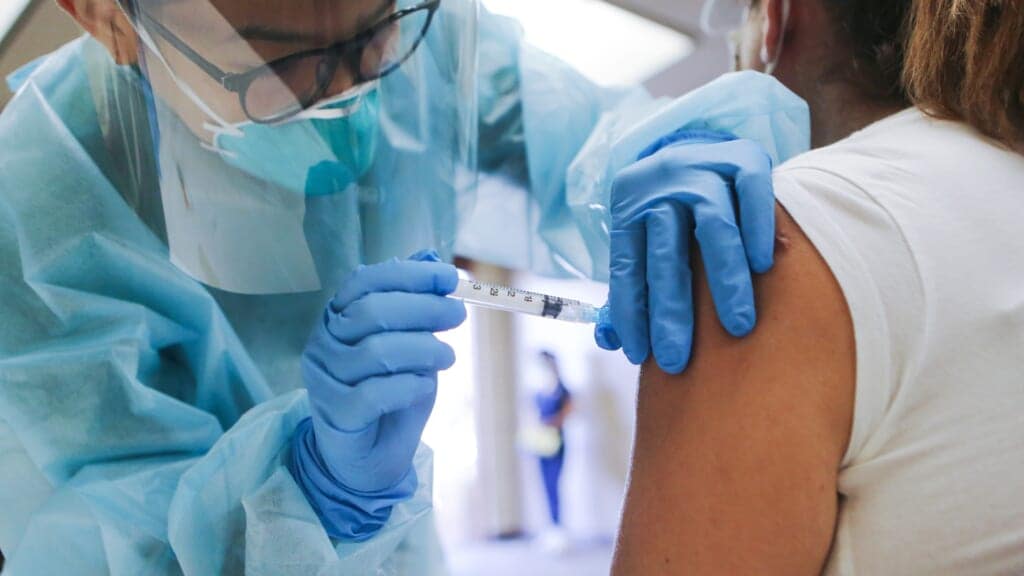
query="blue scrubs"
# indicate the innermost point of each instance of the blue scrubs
(549, 405)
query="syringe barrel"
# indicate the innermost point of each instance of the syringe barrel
(524, 302)
(500, 297)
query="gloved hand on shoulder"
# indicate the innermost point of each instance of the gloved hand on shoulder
(706, 185)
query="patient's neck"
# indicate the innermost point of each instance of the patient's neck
(838, 110)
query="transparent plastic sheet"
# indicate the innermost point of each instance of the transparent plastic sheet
(269, 186)
(522, 220)
(578, 136)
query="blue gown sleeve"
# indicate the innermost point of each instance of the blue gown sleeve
(158, 446)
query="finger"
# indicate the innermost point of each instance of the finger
(396, 276)
(670, 286)
(399, 437)
(382, 355)
(727, 268)
(606, 338)
(348, 409)
(604, 332)
(743, 163)
(757, 209)
(627, 292)
(388, 394)
(395, 311)
(399, 407)
(426, 255)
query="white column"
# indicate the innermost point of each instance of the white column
(497, 414)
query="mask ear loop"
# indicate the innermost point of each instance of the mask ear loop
(707, 18)
(770, 65)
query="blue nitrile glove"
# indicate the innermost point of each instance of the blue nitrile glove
(371, 370)
(690, 182)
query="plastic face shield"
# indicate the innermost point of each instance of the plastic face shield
(294, 139)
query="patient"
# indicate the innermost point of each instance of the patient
(874, 421)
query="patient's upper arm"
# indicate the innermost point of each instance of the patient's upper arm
(735, 463)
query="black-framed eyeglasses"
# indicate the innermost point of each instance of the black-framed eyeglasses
(284, 87)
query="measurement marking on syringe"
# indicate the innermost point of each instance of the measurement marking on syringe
(524, 302)
(528, 297)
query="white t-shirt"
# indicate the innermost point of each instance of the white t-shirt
(922, 224)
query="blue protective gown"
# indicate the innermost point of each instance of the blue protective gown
(145, 418)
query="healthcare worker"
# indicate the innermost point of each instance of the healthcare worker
(192, 190)
(553, 403)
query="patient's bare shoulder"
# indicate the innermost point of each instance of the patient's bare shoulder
(736, 459)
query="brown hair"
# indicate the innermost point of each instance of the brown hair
(965, 61)
(955, 59)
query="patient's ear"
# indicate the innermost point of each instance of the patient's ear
(775, 23)
(107, 23)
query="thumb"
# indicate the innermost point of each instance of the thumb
(604, 333)
(426, 255)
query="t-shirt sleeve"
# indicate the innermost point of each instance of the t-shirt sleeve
(870, 259)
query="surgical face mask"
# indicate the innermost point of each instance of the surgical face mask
(320, 151)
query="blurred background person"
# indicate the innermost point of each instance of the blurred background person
(554, 404)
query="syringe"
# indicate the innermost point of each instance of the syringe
(513, 300)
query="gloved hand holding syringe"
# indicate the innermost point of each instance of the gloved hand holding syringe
(513, 300)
